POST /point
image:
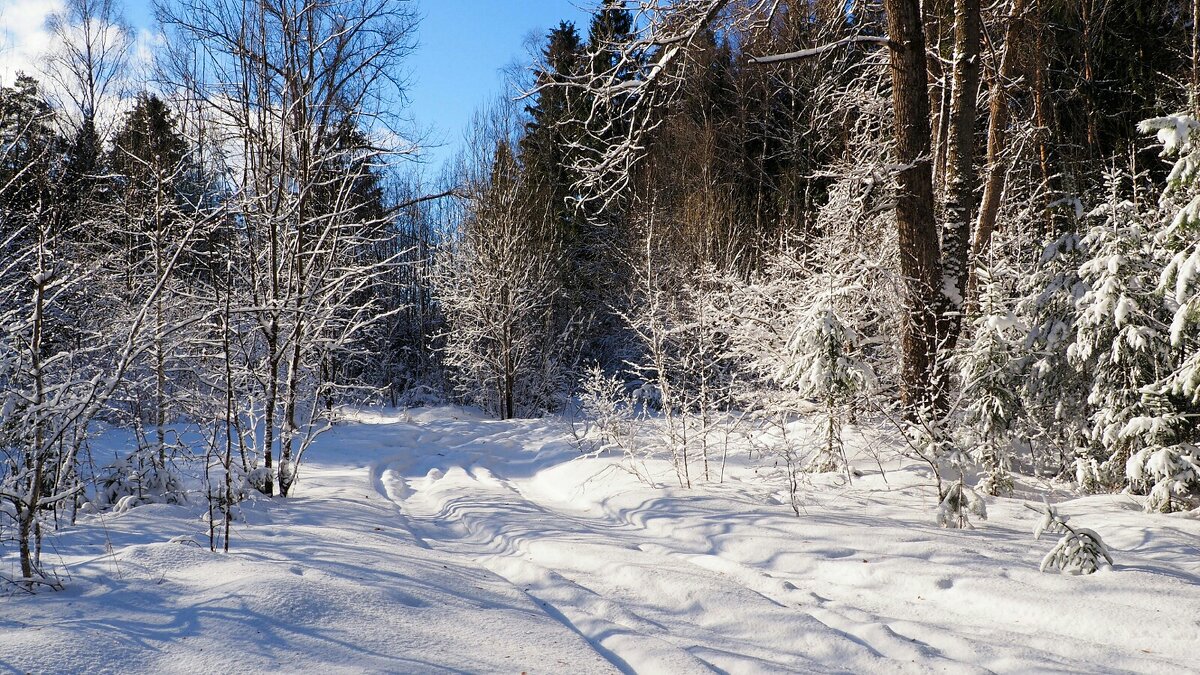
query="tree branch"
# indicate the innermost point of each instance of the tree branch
(817, 51)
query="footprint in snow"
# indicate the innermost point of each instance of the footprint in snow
(835, 553)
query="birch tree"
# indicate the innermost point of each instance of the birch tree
(285, 83)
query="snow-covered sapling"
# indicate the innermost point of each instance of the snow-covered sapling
(1179, 237)
(1053, 392)
(607, 408)
(1078, 551)
(928, 439)
(988, 366)
(1171, 474)
(138, 479)
(1119, 343)
(959, 503)
(825, 364)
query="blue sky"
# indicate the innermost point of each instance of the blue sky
(463, 45)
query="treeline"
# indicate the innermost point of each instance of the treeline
(922, 211)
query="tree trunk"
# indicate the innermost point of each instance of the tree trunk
(35, 460)
(993, 185)
(1042, 120)
(160, 365)
(287, 435)
(269, 409)
(1194, 90)
(960, 164)
(920, 262)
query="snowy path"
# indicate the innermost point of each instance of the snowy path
(327, 582)
(436, 541)
(716, 580)
(644, 606)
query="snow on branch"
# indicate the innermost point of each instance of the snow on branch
(817, 51)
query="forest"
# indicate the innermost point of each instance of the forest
(970, 229)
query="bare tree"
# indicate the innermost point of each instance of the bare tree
(298, 95)
(644, 77)
(89, 59)
(56, 373)
(498, 281)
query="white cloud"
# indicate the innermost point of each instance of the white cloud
(25, 41)
(23, 35)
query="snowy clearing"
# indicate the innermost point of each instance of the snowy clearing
(435, 540)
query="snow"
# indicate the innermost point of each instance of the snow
(1173, 131)
(951, 292)
(1125, 307)
(435, 540)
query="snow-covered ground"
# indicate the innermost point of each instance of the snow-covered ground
(438, 541)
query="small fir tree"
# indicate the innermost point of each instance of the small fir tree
(1078, 551)
(1119, 342)
(991, 380)
(826, 365)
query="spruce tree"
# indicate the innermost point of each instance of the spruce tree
(1120, 340)
(990, 376)
(554, 127)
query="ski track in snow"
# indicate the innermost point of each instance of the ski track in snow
(692, 581)
(438, 541)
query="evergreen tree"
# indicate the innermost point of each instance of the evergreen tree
(1120, 340)
(1179, 238)
(1053, 392)
(152, 184)
(29, 162)
(153, 178)
(1079, 551)
(607, 59)
(1168, 467)
(554, 115)
(825, 364)
(990, 383)
(553, 131)
(610, 28)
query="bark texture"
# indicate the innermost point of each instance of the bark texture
(920, 255)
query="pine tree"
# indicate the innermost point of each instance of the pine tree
(960, 503)
(607, 60)
(1168, 468)
(30, 149)
(1053, 392)
(554, 126)
(1180, 239)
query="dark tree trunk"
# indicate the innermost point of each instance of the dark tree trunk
(269, 411)
(960, 165)
(920, 254)
(993, 185)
